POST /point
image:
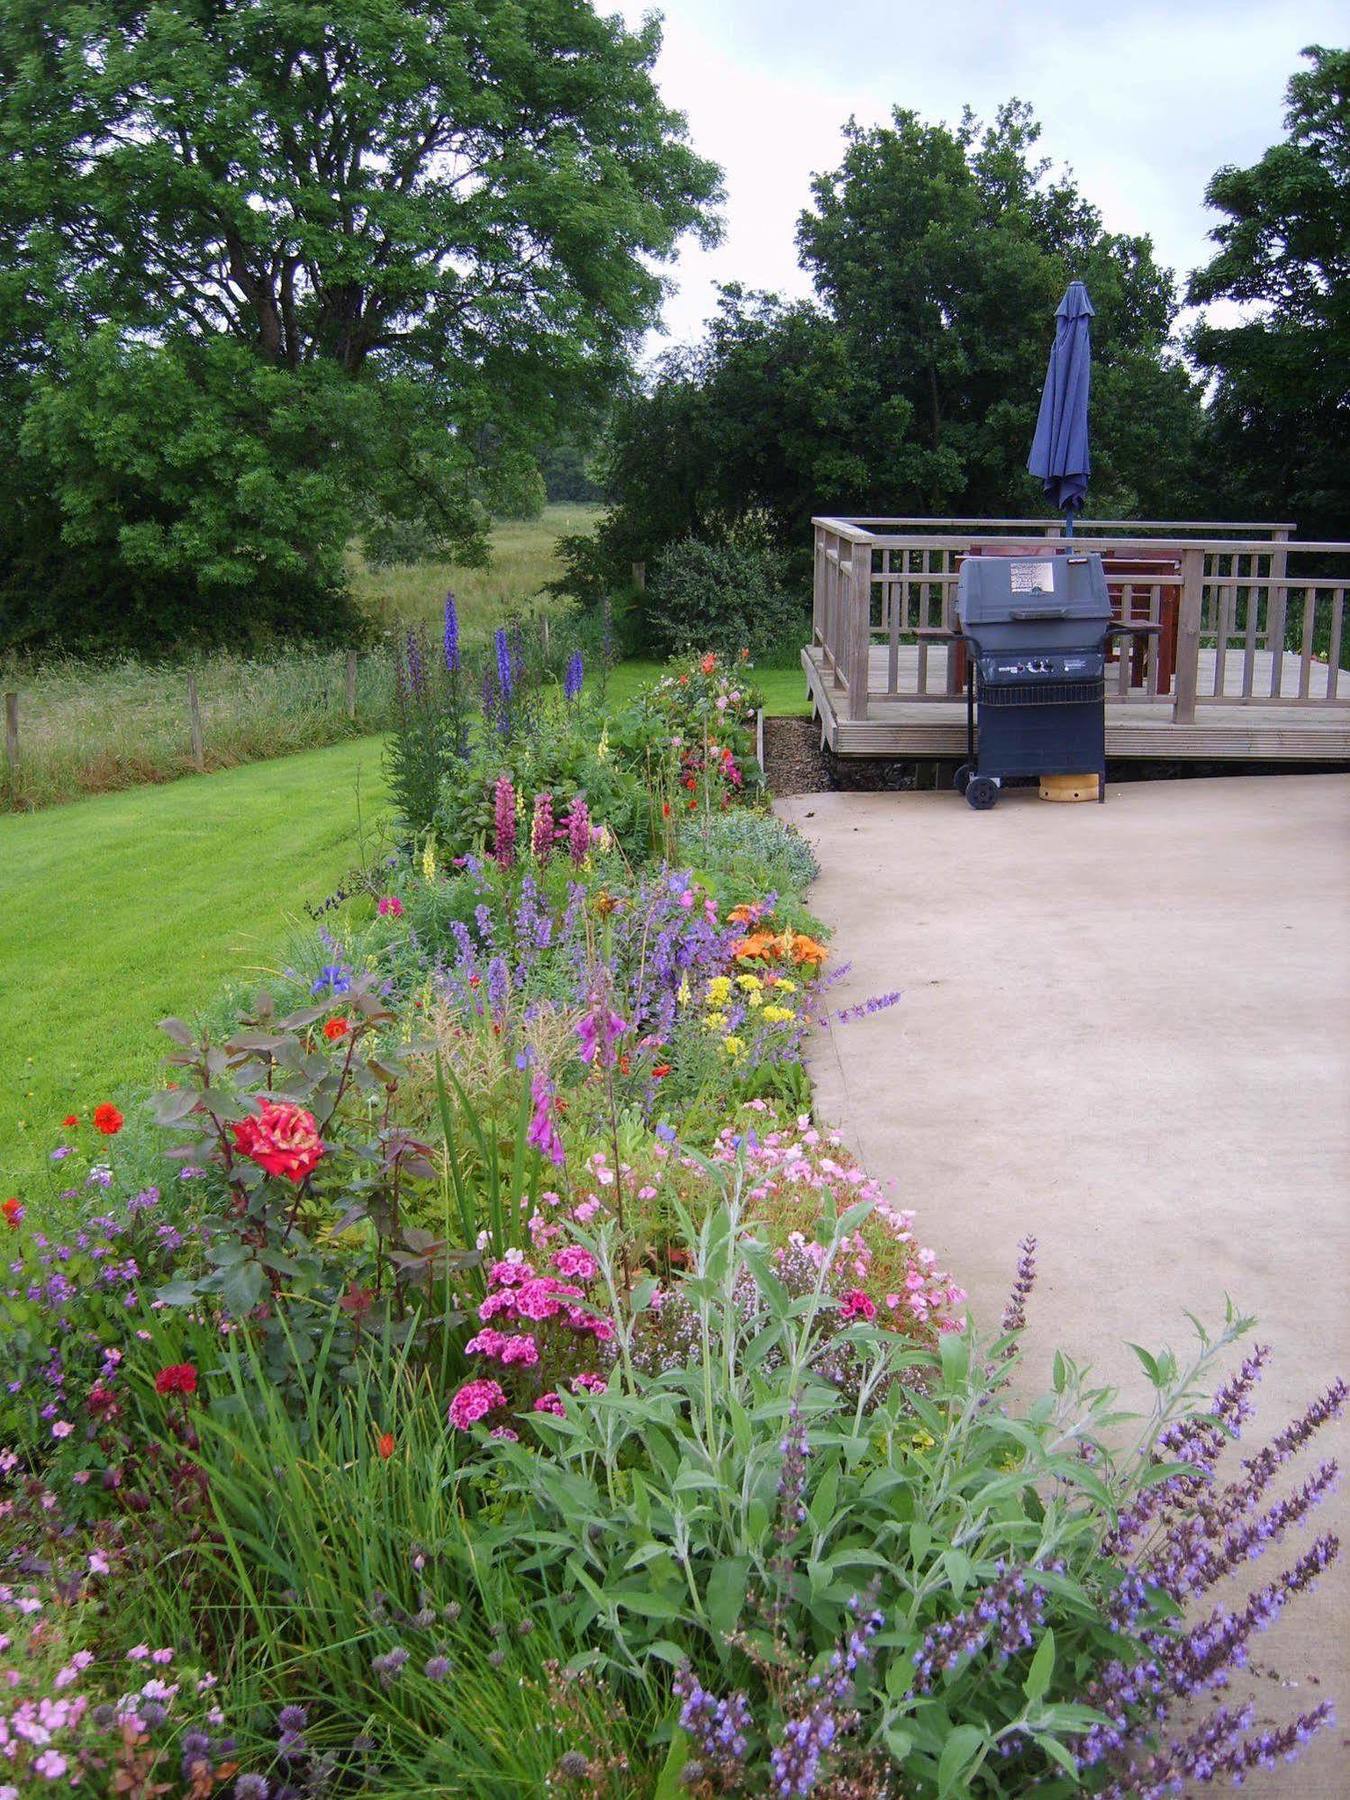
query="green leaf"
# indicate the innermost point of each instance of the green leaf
(726, 1593)
(1148, 1363)
(1056, 1752)
(668, 1783)
(958, 1753)
(1037, 1683)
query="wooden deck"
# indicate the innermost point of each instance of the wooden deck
(1238, 730)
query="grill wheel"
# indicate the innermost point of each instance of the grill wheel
(981, 792)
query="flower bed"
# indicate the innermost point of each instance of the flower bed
(476, 1371)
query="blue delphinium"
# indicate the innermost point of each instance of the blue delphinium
(574, 676)
(452, 662)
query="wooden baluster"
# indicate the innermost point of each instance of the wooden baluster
(1306, 648)
(859, 594)
(1276, 615)
(1253, 615)
(1334, 647)
(1188, 636)
(894, 592)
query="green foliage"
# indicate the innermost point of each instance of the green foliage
(1277, 424)
(911, 385)
(355, 266)
(724, 597)
(752, 854)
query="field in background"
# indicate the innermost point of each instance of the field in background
(99, 727)
(524, 557)
(120, 909)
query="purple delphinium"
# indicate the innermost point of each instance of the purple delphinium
(504, 821)
(574, 676)
(506, 682)
(451, 635)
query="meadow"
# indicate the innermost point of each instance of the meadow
(90, 727)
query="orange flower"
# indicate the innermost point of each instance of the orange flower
(742, 915)
(335, 1029)
(107, 1119)
(708, 664)
(13, 1210)
(625, 1066)
(384, 1443)
(659, 1070)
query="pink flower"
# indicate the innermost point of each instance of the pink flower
(51, 1765)
(550, 1403)
(855, 1304)
(584, 1213)
(521, 1349)
(389, 906)
(588, 1384)
(505, 1431)
(540, 1298)
(473, 1401)
(486, 1343)
(511, 1271)
(62, 1428)
(497, 1303)
(575, 1261)
(98, 1563)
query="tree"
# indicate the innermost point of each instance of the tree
(1278, 434)
(461, 198)
(911, 385)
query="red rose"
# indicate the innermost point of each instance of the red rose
(281, 1137)
(70, 1121)
(385, 1444)
(335, 1029)
(107, 1119)
(178, 1378)
(13, 1210)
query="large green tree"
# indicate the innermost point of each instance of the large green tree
(1279, 422)
(911, 385)
(457, 208)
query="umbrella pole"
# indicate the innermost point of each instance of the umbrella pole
(1068, 524)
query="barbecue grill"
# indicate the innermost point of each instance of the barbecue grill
(1037, 627)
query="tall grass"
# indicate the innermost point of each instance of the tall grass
(90, 727)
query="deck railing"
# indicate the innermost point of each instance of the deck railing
(1249, 615)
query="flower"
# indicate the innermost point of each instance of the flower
(389, 906)
(62, 1428)
(734, 1046)
(574, 676)
(107, 1119)
(473, 1401)
(333, 978)
(504, 821)
(598, 1031)
(335, 1029)
(709, 663)
(451, 635)
(384, 1443)
(70, 1121)
(855, 1304)
(542, 1132)
(177, 1378)
(281, 1138)
(541, 828)
(576, 1262)
(550, 1403)
(13, 1211)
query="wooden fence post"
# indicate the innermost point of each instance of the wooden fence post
(12, 741)
(1277, 608)
(1188, 636)
(351, 684)
(195, 725)
(858, 627)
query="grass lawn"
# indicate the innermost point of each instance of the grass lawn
(783, 688)
(121, 908)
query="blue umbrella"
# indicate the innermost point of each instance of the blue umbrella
(1059, 450)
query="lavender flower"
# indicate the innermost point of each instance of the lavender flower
(1015, 1312)
(574, 676)
(451, 635)
(718, 1727)
(865, 1008)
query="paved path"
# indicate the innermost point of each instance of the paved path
(1125, 1028)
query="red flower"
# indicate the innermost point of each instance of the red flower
(335, 1029)
(624, 1065)
(178, 1378)
(281, 1137)
(659, 1070)
(70, 1121)
(708, 664)
(385, 1444)
(665, 809)
(13, 1210)
(107, 1119)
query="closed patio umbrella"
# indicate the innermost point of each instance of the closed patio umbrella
(1059, 450)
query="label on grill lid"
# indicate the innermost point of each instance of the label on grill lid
(1029, 577)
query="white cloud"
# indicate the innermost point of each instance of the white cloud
(1143, 101)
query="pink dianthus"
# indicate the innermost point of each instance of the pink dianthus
(474, 1401)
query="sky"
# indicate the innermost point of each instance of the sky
(1142, 100)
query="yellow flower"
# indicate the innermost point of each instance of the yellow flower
(785, 986)
(778, 1015)
(682, 992)
(716, 1021)
(756, 1000)
(429, 861)
(922, 1441)
(602, 748)
(734, 1047)
(750, 983)
(719, 989)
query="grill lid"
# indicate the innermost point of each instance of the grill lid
(1039, 588)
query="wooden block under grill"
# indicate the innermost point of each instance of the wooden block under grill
(1068, 787)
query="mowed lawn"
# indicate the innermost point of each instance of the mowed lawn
(119, 909)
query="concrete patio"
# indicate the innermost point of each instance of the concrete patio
(1126, 1029)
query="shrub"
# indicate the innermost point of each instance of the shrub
(750, 854)
(726, 597)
